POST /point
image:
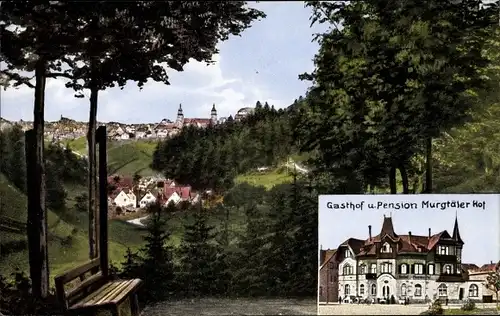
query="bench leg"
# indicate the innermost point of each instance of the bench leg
(115, 311)
(134, 305)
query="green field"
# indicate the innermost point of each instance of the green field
(124, 157)
(266, 179)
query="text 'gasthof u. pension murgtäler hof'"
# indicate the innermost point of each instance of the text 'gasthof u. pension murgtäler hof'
(406, 202)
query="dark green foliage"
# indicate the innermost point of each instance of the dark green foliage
(249, 276)
(157, 269)
(397, 74)
(62, 166)
(16, 298)
(13, 162)
(200, 264)
(212, 157)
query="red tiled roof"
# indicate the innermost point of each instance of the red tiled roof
(489, 267)
(183, 191)
(469, 266)
(405, 243)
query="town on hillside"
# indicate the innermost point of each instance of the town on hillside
(127, 195)
(67, 129)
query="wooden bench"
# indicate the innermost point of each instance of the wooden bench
(97, 292)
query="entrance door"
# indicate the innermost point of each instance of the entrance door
(385, 291)
(461, 294)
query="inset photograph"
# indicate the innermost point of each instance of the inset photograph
(408, 254)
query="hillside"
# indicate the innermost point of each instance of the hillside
(68, 245)
(124, 157)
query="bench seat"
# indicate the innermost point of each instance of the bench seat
(112, 292)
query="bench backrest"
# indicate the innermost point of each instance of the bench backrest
(70, 296)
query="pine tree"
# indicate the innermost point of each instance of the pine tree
(276, 259)
(157, 261)
(131, 266)
(249, 279)
(199, 259)
(303, 251)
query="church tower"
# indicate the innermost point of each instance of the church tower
(213, 115)
(180, 115)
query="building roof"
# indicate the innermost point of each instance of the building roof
(407, 243)
(328, 255)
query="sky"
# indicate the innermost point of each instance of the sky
(479, 228)
(261, 65)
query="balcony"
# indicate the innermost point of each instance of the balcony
(445, 258)
(371, 276)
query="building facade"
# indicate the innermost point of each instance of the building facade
(390, 266)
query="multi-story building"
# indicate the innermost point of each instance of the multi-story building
(409, 267)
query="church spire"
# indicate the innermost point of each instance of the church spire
(180, 115)
(213, 115)
(456, 232)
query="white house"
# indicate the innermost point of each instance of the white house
(174, 198)
(146, 200)
(125, 198)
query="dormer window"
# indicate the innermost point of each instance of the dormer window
(404, 268)
(362, 269)
(443, 250)
(386, 248)
(347, 253)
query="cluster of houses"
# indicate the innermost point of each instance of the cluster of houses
(66, 128)
(130, 195)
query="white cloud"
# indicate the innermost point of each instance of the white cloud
(197, 88)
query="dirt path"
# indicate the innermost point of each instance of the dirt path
(232, 307)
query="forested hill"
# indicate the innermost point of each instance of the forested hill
(212, 157)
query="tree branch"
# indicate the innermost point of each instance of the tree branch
(18, 78)
(59, 74)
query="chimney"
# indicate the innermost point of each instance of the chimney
(429, 233)
(409, 237)
(370, 231)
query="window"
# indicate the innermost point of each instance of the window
(347, 290)
(431, 269)
(320, 291)
(418, 290)
(419, 268)
(404, 268)
(362, 289)
(473, 291)
(447, 269)
(373, 268)
(386, 267)
(403, 289)
(362, 269)
(442, 250)
(386, 248)
(347, 269)
(347, 253)
(374, 289)
(442, 290)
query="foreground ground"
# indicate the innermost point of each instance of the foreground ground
(380, 309)
(233, 307)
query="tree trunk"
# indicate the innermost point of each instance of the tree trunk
(37, 216)
(392, 180)
(428, 166)
(404, 178)
(92, 174)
